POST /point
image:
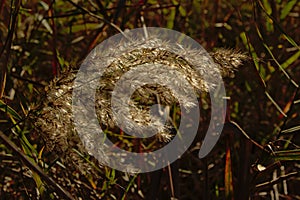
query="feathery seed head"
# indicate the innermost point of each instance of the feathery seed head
(56, 123)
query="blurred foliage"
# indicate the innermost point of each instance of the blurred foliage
(41, 39)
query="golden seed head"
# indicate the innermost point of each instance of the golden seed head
(55, 121)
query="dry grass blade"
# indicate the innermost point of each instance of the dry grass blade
(35, 168)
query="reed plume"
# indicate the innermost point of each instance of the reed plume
(55, 121)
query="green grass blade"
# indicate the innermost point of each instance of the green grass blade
(275, 60)
(290, 130)
(286, 36)
(129, 186)
(10, 111)
(287, 8)
(290, 60)
(286, 155)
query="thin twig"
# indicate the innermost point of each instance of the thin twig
(171, 180)
(265, 185)
(246, 135)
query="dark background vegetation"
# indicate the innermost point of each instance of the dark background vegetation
(260, 159)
